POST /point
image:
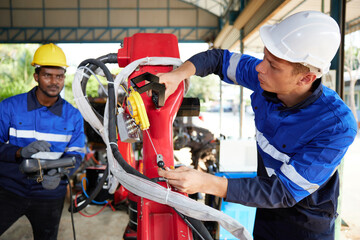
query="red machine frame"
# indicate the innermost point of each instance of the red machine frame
(155, 221)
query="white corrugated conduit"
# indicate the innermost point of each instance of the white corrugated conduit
(140, 186)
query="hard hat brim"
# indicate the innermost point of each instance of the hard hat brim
(48, 64)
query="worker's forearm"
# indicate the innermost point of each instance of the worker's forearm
(186, 70)
(215, 186)
(9, 152)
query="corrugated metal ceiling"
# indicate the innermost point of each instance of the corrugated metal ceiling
(215, 21)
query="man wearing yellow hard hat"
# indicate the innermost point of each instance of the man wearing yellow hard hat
(34, 124)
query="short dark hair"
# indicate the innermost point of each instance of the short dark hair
(38, 69)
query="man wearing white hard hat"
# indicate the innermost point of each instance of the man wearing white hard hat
(303, 129)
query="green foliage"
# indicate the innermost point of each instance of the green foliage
(352, 56)
(205, 88)
(16, 72)
(69, 96)
(92, 87)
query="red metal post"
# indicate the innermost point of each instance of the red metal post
(156, 221)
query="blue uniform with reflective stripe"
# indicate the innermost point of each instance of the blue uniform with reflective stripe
(299, 149)
(24, 120)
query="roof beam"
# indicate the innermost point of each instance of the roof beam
(249, 11)
(97, 34)
(265, 13)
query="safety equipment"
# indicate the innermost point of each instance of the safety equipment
(34, 147)
(51, 180)
(49, 55)
(309, 37)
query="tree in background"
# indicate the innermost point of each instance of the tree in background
(206, 88)
(352, 61)
(16, 72)
(92, 87)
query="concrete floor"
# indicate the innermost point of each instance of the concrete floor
(109, 225)
(350, 206)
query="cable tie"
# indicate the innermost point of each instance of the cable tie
(81, 71)
(167, 191)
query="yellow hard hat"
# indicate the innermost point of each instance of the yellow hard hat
(49, 55)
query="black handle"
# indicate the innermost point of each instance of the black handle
(32, 165)
(158, 89)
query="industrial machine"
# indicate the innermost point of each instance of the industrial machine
(156, 210)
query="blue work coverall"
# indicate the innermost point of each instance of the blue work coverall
(24, 120)
(299, 149)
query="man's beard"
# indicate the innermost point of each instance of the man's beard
(47, 94)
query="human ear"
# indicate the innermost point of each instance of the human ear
(36, 77)
(307, 78)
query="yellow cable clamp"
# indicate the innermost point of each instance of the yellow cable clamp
(137, 109)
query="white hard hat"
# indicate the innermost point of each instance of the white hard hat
(310, 38)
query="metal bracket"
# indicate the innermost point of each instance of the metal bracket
(158, 96)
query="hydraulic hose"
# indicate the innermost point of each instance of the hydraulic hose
(109, 58)
(92, 195)
(196, 225)
(112, 118)
(93, 65)
(138, 185)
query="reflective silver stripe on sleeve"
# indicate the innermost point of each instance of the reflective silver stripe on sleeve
(231, 71)
(270, 149)
(75, 149)
(39, 136)
(290, 172)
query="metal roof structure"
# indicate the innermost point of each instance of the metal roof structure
(262, 12)
(218, 22)
(216, 7)
(84, 21)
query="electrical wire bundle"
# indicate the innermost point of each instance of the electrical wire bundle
(118, 169)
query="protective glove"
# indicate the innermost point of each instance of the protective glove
(51, 180)
(34, 147)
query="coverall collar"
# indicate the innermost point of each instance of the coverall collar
(33, 103)
(317, 90)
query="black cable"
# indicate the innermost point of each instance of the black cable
(94, 62)
(108, 58)
(186, 220)
(71, 205)
(112, 117)
(93, 193)
(194, 224)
